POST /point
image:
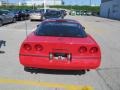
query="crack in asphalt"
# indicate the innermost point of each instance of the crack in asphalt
(104, 80)
(98, 71)
(108, 68)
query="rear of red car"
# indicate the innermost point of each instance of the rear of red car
(60, 52)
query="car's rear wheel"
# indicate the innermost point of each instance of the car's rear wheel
(1, 23)
(42, 18)
(31, 20)
(27, 68)
(27, 18)
(14, 20)
(31, 70)
(21, 19)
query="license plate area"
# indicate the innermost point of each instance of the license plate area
(60, 56)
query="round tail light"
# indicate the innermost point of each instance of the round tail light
(94, 50)
(27, 47)
(38, 48)
(82, 49)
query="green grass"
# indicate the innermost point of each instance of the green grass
(88, 8)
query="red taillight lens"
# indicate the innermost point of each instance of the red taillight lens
(38, 48)
(82, 49)
(94, 50)
(27, 47)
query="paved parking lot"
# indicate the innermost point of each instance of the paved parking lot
(13, 77)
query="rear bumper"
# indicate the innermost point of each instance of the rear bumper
(45, 63)
(36, 17)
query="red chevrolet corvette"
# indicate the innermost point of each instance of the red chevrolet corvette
(60, 44)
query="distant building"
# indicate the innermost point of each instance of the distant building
(110, 9)
(41, 2)
(2, 2)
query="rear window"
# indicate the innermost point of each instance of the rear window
(39, 11)
(60, 29)
(52, 13)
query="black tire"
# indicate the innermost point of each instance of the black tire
(14, 20)
(28, 17)
(1, 23)
(25, 18)
(31, 20)
(21, 19)
(42, 18)
(26, 68)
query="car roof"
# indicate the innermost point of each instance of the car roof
(3, 10)
(61, 20)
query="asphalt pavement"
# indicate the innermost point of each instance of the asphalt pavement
(106, 32)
